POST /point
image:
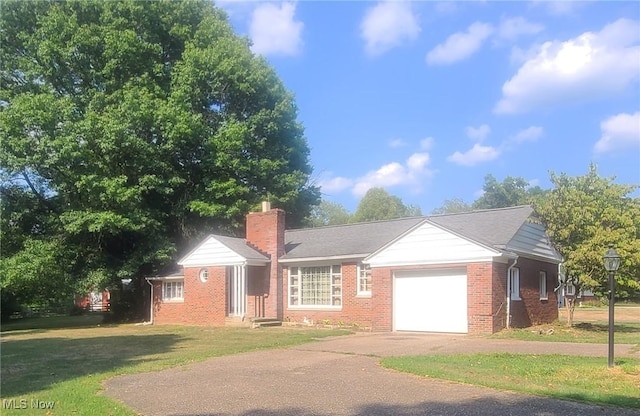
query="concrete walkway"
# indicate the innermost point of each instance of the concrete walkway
(341, 376)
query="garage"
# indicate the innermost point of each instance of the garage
(430, 300)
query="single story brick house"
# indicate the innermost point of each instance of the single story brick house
(476, 272)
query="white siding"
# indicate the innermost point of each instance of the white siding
(212, 253)
(532, 239)
(429, 244)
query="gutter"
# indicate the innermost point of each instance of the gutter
(151, 303)
(515, 261)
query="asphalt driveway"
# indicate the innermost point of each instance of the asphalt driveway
(340, 376)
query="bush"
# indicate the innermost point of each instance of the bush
(9, 305)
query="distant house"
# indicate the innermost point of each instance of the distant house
(94, 301)
(475, 272)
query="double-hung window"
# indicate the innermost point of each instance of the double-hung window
(318, 286)
(544, 295)
(514, 283)
(173, 291)
(364, 280)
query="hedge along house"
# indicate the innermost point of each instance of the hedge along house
(475, 272)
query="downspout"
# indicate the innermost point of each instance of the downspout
(151, 303)
(515, 261)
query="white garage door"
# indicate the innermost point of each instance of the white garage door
(430, 301)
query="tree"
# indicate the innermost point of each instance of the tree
(512, 191)
(378, 204)
(452, 206)
(583, 215)
(328, 213)
(136, 127)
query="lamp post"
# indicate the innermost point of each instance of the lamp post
(611, 264)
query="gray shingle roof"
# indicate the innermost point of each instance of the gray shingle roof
(345, 240)
(494, 228)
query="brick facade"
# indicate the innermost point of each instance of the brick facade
(531, 310)
(486, 298)
(205, 303)
(267, 295)
(356, 310)
(265, 232)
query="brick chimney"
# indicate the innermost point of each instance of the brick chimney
(265, 231)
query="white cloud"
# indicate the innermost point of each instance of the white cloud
(480, 154)
(477, 154)
(478, 133)
(592, 65)
(395, 143)
(512, 28)
(388, 24)
(274, 31)
(394, 174)
(619, 132)
(335, 184)
(417, 162)
(460, 45)
(530, 134)
(427, 143)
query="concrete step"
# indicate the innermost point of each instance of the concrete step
(264, 321)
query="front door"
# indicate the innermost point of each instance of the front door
(237, 291)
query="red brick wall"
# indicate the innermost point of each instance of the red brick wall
(481, 301)
(204, 302)
(486, 297)
(531, 310)
(265, 231)
(356, 310)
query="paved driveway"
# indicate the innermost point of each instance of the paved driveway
(339, 376)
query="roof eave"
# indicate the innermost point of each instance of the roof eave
(323, 258)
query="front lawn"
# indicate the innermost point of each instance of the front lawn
(67, 366)
(585, 332)
(559, 376)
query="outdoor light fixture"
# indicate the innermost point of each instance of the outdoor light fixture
(611, 264)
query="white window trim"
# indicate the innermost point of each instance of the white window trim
(172, 299)
(570, 290)
(544, 292)
(363, 268)
(514, 277)
(298, 289)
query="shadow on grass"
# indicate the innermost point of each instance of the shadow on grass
(31, 365)
(478, 406)
(604, 327)
(40, 324)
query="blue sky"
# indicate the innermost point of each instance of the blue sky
(426, 98)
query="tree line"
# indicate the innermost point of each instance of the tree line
(582, 214)
(131, 129)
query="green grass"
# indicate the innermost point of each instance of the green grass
(559, 376)
(582, 332)
(68, 365)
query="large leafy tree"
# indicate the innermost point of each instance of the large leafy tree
(583, 215)
(452, 206)
(131, 128)
(512, 191)
(378, 204)
(328, 213)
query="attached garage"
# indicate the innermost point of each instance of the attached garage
(430, 300)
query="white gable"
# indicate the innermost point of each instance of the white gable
(429, 244)
(212, 253)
